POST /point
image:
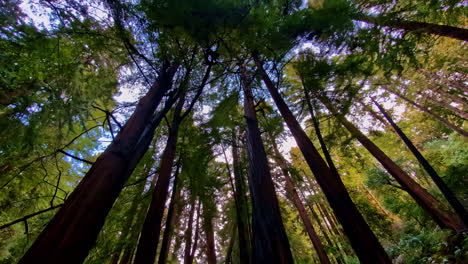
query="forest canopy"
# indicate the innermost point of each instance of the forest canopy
(233, 131)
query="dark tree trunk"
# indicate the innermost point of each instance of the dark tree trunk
(420, 27)
(241, 205)
(316, 124)
(294, 196)
(270, 243)
(171, 218)
(73, 230)
(449, 195)
(149, 239)
(210, 241)
(362, 239)
(436, 116)
(188, 235)
(428, 202)
(197, 235)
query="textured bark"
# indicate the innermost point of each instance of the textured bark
(429, 203)
(241, 205)
(363, 240)
(270, 243)
(424, 109)
(149, 239)
(419, 27)
(294, 196)
(73, 230)
(449, 195)
(170, 221)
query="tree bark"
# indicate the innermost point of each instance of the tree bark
(363, 240)
(188, 235)
(171, 218)
(448, 194)
(270, 243)
(210, 241)
(419, 27)
(149, 239)
(436, 116)
(241, 205)
(73, 230)
(294, 196)
(429, 203)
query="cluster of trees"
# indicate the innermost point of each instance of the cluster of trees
(199, 165)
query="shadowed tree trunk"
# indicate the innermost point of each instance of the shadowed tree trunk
(428, 202)
(188, 235)
(230, 246)
(294, 196)
(241, 205)
(171, 218)
(210, 241)
(269, 243)
(363, 240)
(449, 195)
(419, 27)
(148, 243)
(129, 222)
(424, 109)
(73, 230)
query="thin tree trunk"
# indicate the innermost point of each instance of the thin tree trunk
(316, 124)
(241, 210)
(294, 196)
(445, 105)
(436, 116)
(197, 235)
(448, 194)
(149, 239)
(188, 235)
(232, 239)
(270, 243)
(362, 239)
(210, 241)
(419, 27)
(171, 218)
(73, 230)
(428, 202)
(128, 224)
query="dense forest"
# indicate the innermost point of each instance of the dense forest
(233, 131)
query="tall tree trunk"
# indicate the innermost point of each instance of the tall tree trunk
(270, 243)
(232, 239)
(427, 202)
(188, 234)
(362, 239)
(197, 235)
(436, 116)
(316, 124)
(208, 215)
(73, 230)
(129, 222)
(171, 218)
(419, 27)
(294, 196)
(449, 195)
(241, 205)
(149, 239)
(132, 239)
